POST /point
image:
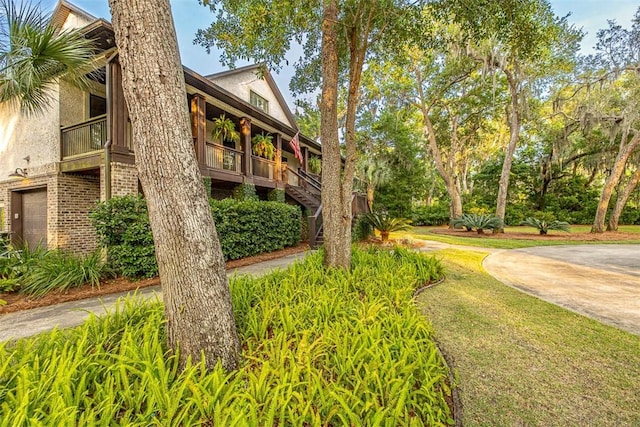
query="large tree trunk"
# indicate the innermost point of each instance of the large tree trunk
(337, 225)
(614, 219)
(514, 133)
(192, 271)
(611, 181)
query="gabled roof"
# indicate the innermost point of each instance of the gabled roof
(64, 9)
(260, 70)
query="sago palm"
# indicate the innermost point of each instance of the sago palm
(385, 224)
(34, 55)
(544, 226)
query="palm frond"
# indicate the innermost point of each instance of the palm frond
(34, 55)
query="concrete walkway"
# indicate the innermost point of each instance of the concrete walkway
(69, 314)
(598, 281)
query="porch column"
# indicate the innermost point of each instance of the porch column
(278, 171)
(305, 158)
(199, 127)
(118, 111)
(245, 138)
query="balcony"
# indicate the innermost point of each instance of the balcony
(263, 168)
(84, 138)
(223, 158)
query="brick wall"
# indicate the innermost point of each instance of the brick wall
(77, 195)
(124, 180)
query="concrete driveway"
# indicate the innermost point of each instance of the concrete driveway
(599, 281)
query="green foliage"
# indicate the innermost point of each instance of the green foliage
(436, 214)
(262, 145)
(225, 130)
(245, 228)
(58, 271)
(401, 149)
(315, 165)
(34, 54)
(245, 192)
(320, 347)
(543, 225)
(207, 185)
(477, 222)
(362, 229)
(122, 226)
(39, 271)
(385, 223)
(277, 195)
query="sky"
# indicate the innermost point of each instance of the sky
(189, 16)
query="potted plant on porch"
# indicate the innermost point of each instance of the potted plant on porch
(224, 130)
(262, 146)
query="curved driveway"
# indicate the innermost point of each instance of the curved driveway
(599, 281)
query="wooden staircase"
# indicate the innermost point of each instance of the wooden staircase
(308, 193)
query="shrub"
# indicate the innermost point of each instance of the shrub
(276, 195)
(437, 214)
(245, 228)
(59, 271)
(320, 347)
(39, 271)
(122, 226)
(386, 224)
(543, 225)
(245, 192)
(362, 229)
(477, 222)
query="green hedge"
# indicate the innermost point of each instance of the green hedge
(245, 228)
(321, 347)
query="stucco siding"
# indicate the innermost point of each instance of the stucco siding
(241, 83)
(75, 21)
(36, 136)
(73, 104)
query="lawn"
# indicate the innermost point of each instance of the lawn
(554, 238)
(521, 361)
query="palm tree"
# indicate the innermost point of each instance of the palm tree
(374, 173)
(34, 55)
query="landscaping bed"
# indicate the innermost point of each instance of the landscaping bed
(16, 301)
(532, 235)
(320, 347)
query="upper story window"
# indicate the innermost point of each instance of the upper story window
(97, 105)
(258, 101)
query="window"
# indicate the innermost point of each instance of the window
(97, 105)
(258, 101)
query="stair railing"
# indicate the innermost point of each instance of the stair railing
(315, 227)
(306, 181)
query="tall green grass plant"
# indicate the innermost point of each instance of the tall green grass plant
(320, 348)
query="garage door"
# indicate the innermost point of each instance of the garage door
(34, 217)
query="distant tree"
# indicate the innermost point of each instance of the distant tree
(525, 42)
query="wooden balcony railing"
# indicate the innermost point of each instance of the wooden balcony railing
(263, 167)
(220, 157)
(84, 137)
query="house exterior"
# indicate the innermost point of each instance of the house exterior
(55, 166)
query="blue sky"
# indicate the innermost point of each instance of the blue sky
(189, 16)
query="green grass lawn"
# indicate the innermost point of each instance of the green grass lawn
(424, 233)
(520, 361)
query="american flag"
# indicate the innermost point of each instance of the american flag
(295, 146)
